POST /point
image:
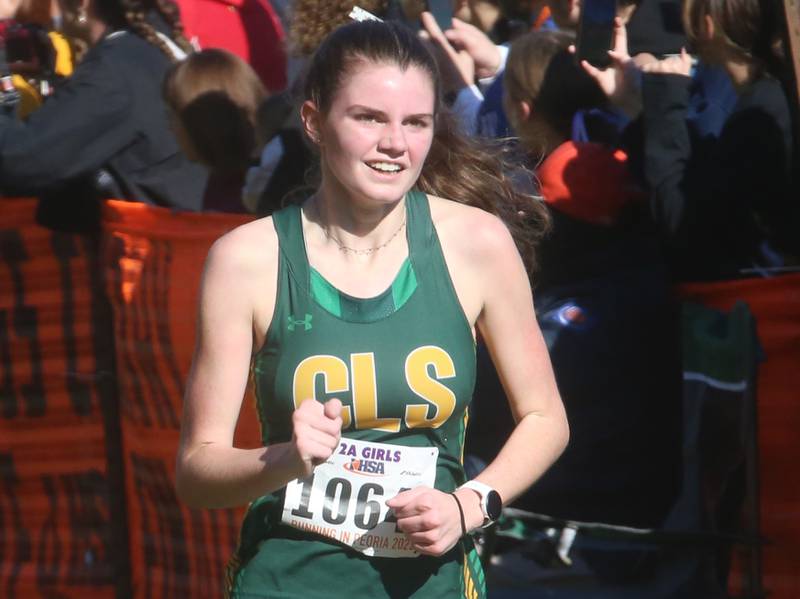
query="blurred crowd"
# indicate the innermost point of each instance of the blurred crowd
(190, 106)
(686, 130)
(673, 160)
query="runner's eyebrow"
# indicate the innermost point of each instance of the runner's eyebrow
(381, 113)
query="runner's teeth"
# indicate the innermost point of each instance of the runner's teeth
(385, 166)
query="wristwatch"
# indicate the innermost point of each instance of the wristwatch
(491, 503)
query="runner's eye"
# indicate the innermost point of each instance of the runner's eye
(418, 123)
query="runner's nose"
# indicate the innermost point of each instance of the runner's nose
(393, 140)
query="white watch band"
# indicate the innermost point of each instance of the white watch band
(477, 486)
(483, 492)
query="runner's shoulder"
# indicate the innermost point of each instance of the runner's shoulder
(250, 247)
(479, 234)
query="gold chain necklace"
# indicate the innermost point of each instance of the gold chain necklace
(357, 252)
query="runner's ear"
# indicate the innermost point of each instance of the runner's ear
(311, 121)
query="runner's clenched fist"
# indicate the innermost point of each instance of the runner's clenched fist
(429, 518)
(316, 430)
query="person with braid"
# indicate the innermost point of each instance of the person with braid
(105, 133)
(358, 311)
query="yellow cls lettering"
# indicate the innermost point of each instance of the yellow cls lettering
(428, 388)
(334, 372)
(365, 400)
(365, 395)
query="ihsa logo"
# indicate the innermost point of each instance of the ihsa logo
(367, 467)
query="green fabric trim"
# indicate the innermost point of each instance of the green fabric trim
(262, 420)
(370, 309)
(404, 285)
(364, 310)
(476, 568)
(325, 294)
(475, 565)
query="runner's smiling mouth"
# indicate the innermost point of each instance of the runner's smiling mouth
(385, 167)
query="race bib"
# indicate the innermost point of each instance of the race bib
(345, 498)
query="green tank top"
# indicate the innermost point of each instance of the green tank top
(403, 365)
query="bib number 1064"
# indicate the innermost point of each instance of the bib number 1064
(337, 504)
(345, 497)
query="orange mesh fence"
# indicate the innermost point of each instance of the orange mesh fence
(90, 410)
(153, 261)
(59, 516)
(775, 303)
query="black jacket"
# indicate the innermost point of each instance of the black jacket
(717, 205)
(107, 124)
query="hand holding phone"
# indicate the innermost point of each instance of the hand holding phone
(409, 11)
(456, 66)
(442, 11)
(620, 80)
(595, 32)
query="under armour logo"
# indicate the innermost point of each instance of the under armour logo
(294, 322)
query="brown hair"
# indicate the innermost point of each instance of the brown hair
(461, 169)
(541, 72)
(751, 27)
(312, 20)
(215, 95)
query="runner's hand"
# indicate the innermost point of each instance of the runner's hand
(316, 431)
(429, 518)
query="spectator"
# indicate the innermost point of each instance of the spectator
(472, 65)
(726, 211)
(544, 91)
(213, 97)
(567, 13)
(37, 56)
(605, 309)
(654, 27)
(286, 159)
(469, 63)
(104, 133)
(501, 20)
(250, 29)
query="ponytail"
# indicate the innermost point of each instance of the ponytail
(477, 173)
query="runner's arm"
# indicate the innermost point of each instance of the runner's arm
(211, 472)
(430, 518)
(508, 325)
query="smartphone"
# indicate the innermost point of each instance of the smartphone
(408, 12)
(595, 32)
(442, 11)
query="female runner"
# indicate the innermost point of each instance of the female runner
(358, 311)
